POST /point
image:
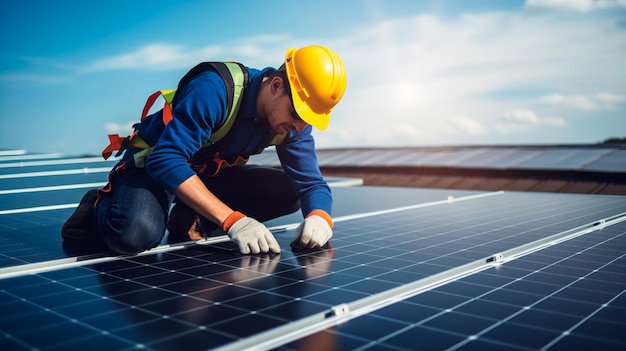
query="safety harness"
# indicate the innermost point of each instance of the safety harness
(207, 159)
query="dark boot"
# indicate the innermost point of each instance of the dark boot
(183, 225)
(79, 228)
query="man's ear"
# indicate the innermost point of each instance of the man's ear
(276, 84)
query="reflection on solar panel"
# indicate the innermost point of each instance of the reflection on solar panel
(408, 269)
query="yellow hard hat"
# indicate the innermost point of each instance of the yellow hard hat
(317, 78)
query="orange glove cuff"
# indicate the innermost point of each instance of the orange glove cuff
(322, 214)
(232, 219)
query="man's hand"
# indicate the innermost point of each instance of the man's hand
(252, 237)
(313, 232)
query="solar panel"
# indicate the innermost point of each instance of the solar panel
(407, 269)
(615, 161)
(602, 158)
(565, 158)
(565, 297)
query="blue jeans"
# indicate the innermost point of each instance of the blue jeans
(132, 217)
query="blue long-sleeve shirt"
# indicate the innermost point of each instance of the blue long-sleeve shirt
(200, 109)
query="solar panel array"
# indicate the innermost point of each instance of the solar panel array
(598, 158)
(406, 269)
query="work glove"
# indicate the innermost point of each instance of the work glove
(249, 234)
(314, 231)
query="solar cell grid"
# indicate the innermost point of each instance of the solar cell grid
(614, 161)
(29, 200)
(8, 157)
(29, 230)
(49, 183)
(508, 308)
(564, 158)
(497, 158)
(31, 237)
(204, 291)
(10, 165)
(566, 296)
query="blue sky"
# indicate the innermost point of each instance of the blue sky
(420, 73)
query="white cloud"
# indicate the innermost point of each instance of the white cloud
(574, 5)
(600, 101)
(121, 129)
(429, 80)
(438, 75)
(158, 56)
(468, 126)
(609, 100)
(164, 56)
(521, 120)
(575, 101)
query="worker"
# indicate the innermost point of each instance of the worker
(172, 156)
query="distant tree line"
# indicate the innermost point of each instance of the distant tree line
(615, 141)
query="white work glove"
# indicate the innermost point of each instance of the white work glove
(313, 232)
(252, 237)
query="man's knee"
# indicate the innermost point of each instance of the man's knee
(140, 235)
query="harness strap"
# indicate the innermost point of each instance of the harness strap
(168, 96)
(235, 77)
(213, 168)
(115, 143)
(236, 72)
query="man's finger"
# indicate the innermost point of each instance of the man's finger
(273, 244)
(263, 245)
(243, 248)
(254, 247)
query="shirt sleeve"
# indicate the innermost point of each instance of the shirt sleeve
(201, 108)
(299, 160)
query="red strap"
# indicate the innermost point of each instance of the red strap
(218, 163)
(115, 143)
(167, 113)
(223, 163)
(151, 99)
(167, 110)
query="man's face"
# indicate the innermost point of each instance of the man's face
(280, 113)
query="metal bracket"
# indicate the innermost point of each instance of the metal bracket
(337, 311)
(497, 258)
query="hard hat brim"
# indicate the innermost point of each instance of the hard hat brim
(319, 121)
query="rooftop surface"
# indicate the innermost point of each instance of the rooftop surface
(407, 268)
(583, 169)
